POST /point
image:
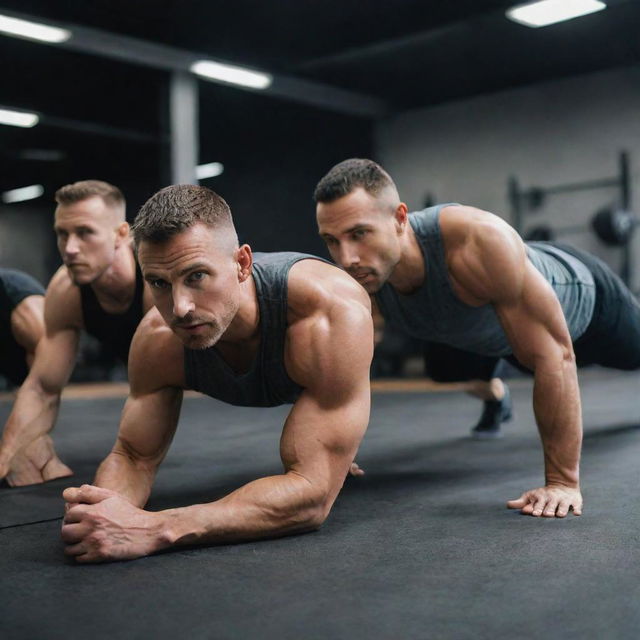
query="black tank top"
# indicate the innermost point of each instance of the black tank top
(267, 383)
(15, 286)
(115, 331)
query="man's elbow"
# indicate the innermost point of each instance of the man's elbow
(312, 508)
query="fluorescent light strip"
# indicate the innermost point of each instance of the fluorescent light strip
(32, 30)
(210, 170)
(18, 118)
(546, 12)
(22, 194)
(232, 74)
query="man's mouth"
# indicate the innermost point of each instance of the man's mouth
(191, 328)
(360, 275)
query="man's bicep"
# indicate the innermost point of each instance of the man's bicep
(326, 424)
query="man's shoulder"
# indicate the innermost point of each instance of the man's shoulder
(63, 303)
(315, 286)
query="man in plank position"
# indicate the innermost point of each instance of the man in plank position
(462, 277)
(287, 328)
(98, 289)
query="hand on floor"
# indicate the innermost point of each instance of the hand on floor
(34, 464)
(549, 501)
(101, 526)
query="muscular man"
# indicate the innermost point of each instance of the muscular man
(99, 289)
(21, 323)
(285, 328)
(463, 277)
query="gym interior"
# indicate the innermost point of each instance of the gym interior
(460, 102)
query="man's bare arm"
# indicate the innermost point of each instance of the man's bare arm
(150, 415)
(331, 354)
(36, 407)
(494, 267)
(27, 325)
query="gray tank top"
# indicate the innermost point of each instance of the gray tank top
(436, 314)
(266, 383)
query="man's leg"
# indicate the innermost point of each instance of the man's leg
(448, 364)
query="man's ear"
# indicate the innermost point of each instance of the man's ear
(401, 217)
(122, 233)
(244, 259)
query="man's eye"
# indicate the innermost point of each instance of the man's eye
(158, 284)
(330, 241)
(196, 276)
(360, 233)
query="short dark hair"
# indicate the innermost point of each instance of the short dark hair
(78, 191)
(349, 175)
(176, 208)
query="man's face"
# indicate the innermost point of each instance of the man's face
(195, 281)
(362, 234)
(87, 233)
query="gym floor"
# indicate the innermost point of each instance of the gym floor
(420, 547)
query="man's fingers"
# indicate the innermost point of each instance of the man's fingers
(75, 513)
(87, 493)
(577, 509)
(551, 509)
(538, 506)
(518, 503)
(563, 508)
(74, 533)
(355, 470)
(55, 468)
(75, 549)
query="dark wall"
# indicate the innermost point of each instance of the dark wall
(274, 153)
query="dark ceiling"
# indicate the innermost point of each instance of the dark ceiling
(111, 116)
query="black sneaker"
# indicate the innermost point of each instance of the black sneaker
(495, 412)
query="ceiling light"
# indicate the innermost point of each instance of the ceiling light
(18, 118)
(232, 74)
(32, 30)
(22, 194)
(210, 170)
(546, 12)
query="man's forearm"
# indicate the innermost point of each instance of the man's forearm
(131, 479)
(268, 507)
(556, 403)
(34, 414)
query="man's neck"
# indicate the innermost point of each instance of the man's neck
(115, 288)
(244, 328)
(409, 274)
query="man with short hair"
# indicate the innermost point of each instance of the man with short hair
(463, 277)
(283, 328)
(98, 289)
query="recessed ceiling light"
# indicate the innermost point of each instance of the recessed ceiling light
(210, 170)
(32, 30)
(18, 118)
(546, 12)
(24, 193)
(232, 74)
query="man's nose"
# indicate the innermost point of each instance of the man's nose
(71, 245)
(182, 303)
(348, 255)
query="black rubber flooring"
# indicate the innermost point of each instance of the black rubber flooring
(421, 547)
